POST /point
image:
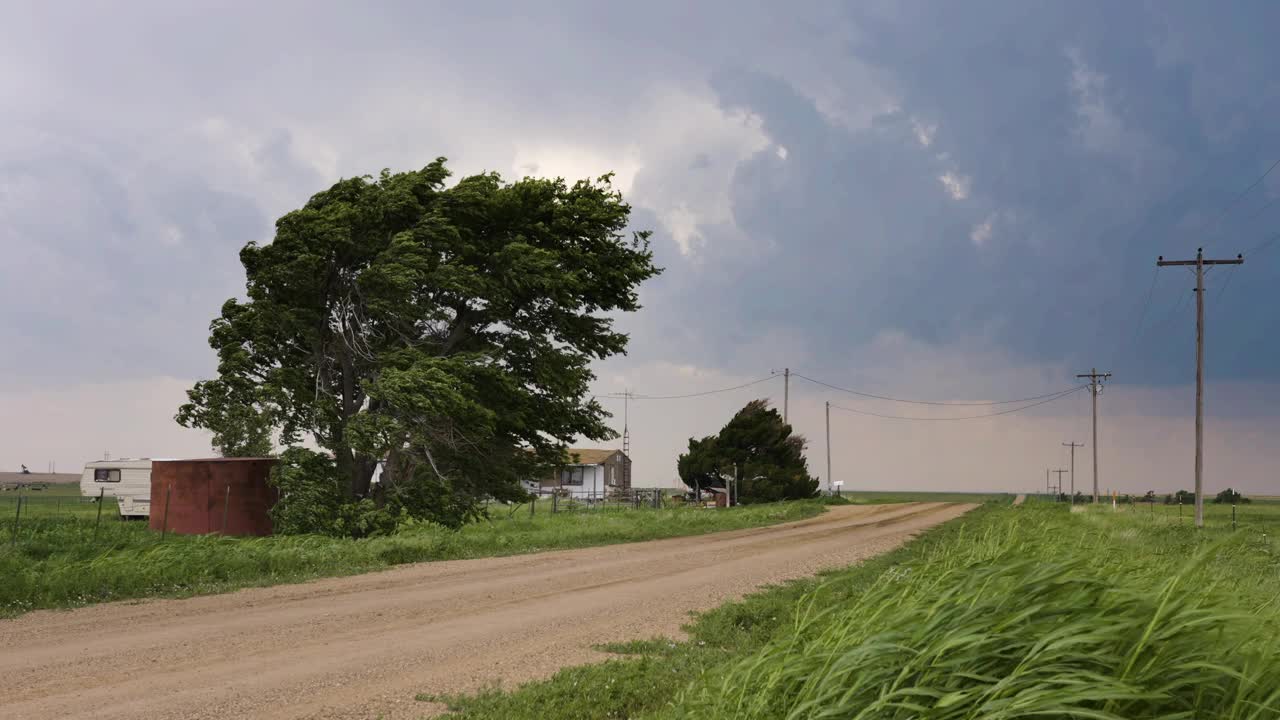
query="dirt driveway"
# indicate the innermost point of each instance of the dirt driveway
(363, 646)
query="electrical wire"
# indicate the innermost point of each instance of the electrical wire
(1240, 196)
(1146, 305)
(859, 393)
(1057, 396)
(621, 396)
(1262, 246)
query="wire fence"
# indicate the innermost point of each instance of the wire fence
(1178, 507)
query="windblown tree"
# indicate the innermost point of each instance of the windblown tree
(445, 331)
(756, 444)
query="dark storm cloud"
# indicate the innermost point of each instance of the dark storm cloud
(999, 171)
(1083, 141)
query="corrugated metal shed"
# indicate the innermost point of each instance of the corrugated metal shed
(223, 495)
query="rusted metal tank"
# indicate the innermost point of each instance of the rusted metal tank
(223, 495)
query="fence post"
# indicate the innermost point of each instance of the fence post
(16, 519)
(164, 524)
(1233, 514)
(98, 522)
(226, 504)
(555, 502)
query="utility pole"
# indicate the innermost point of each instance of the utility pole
(626, 439)
(1073, 495)
(1095, 389)
(786, 394)
(1073, 445)
(1047, 486)
(1199, 264)
(829, 485)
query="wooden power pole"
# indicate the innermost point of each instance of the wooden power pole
(1199, 264)
(786, 394)
(1073, 497)
(1095, 389)
(1073, 445)
(829, 479)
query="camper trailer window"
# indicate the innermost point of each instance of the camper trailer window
(106, 475)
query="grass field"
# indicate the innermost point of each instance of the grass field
(55, 560)
(879, 497)
(1007, 612)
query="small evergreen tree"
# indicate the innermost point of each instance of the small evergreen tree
(769, 458)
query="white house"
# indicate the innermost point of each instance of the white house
(589, 473)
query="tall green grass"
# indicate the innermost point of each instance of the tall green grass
(58, 563)
(1029, 611)
(1035, 612)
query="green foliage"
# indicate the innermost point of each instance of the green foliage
(240, 427)
(1181, 497)
(57, 563)
(310, 493)
(445, 331)
(1229, 497)
(768, 457)
(312, 502)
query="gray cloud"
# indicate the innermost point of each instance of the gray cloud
(984, 180)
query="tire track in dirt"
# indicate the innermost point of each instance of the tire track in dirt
(362, 646)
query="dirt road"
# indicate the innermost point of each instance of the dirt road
(363, 646)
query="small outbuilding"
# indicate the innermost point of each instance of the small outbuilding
(230, 496)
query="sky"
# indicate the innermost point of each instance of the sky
(948, 202)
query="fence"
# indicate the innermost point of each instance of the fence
(558, 500)
(1180, 508)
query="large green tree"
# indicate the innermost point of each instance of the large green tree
(445, 330)
(767, 456)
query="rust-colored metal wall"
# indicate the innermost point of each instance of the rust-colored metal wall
(223, 495)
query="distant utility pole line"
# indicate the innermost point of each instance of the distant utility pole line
(1073, 496)
(1199, 264)
(1073, 445)
(1095, 389)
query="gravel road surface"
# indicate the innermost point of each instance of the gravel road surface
(363, 646)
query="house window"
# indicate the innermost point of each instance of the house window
(106, 475)
(572, 475)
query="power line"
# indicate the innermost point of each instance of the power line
(1240, 196)
(1050, 399)
(1263, 245)
(859, 393)
(1155, 275)
(633, 396)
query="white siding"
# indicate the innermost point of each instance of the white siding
(133, 491)
(592, 483)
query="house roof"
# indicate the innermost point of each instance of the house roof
(590, 456)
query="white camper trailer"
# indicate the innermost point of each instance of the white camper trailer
(128, 480)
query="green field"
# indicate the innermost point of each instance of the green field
(59, 557)
(1007, 612)
(879, 497)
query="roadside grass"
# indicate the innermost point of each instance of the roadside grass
(651, 672)
(56, 561)
(1006, 612)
